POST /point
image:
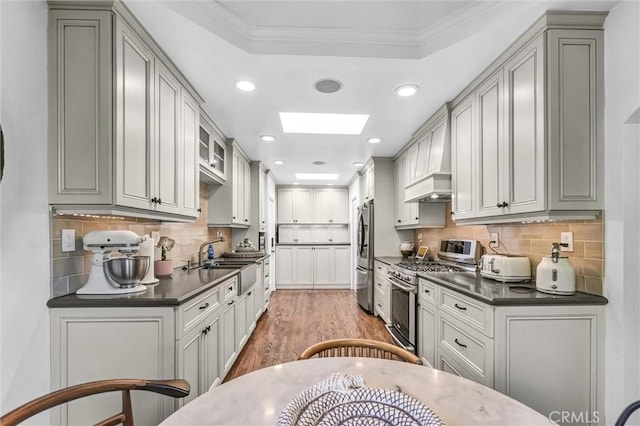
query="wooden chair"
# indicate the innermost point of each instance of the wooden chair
(359, 347)
(173, 388)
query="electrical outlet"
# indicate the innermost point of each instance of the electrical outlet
(420, 238)
(566, 238)
(495, 237)
(68, 240)
(156, 236)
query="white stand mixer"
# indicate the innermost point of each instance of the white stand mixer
(102, 243)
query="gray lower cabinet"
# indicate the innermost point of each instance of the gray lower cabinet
(526, 134)
(195, 341)
(123, 121)
(549, 357)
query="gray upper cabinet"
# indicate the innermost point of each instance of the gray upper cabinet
(124, 122)
(230, 204)
(526, 135)
(211, 151)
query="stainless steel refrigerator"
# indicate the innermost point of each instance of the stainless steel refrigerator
(364, 270)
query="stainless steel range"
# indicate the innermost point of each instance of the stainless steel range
(454, 255)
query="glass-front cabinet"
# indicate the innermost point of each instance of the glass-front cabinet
(212, 152)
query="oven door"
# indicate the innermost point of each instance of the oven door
(403, 315)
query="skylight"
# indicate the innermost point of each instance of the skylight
(323, 124)
(317, 176)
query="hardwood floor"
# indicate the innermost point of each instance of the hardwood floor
(296, 319)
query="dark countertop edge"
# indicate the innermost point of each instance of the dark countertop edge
(579, 298)
(313, 244)
(223, 259)
(98, 301)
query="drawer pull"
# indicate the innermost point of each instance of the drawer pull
(379, 306)
(231, 303)
(462, 308)
(460, 344)
(205, 306)
(427, 291)
(230, 288)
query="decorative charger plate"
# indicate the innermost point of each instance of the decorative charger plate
(344, 400)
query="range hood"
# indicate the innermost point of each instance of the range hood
(431, 181)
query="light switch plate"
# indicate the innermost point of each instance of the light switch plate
(68, 240)
(566, 238)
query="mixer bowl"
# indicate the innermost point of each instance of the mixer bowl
(123, 272)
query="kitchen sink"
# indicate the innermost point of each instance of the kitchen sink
(247, 276)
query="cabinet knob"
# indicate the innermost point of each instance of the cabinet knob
(417, 218)
(199, 210)
(498, 205)
(505, 204)
(399, 221)
(233, 217)
(213, 164)
(246, 220)
(154, 200)
(159, 201)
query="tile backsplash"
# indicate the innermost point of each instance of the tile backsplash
(70, 270)
(534, 240)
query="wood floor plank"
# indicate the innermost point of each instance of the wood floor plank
(296, 319)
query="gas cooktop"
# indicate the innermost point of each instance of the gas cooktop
(427, 267)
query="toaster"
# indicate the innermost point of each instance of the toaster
(505, 267)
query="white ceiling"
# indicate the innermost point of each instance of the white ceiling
(372, 47)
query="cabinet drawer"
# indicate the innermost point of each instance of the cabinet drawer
(467, 347)
(427, 291)
(196, 308)
(380, 268)
(230, 288)
(472, 312)
(380, 284)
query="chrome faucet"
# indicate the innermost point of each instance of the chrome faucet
(555, 252)
(203, 245)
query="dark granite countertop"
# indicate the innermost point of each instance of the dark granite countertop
(181, 286)
(472, 284)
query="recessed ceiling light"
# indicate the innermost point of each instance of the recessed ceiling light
(278, 162)
(317, 176)
(358, 164)
(322, 123)
(374, 140)
(327, 85)
(268, 138)
(407, 90)
(245, 86)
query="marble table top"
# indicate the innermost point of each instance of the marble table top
(258, 398)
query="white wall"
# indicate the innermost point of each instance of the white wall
(622, 187)
(24, 224)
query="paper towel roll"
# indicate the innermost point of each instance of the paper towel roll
(146, 249)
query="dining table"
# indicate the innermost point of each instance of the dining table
(259, 397)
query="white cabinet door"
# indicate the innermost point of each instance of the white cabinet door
(285, 262)
(229, 335)
(342, 265)
(246, 192)
(321, 233)
(427, 341)
(134, 120)
(190, 363)
(323, 272)
(303, 207)
(212, 345)
(398, 188)
(251, 306)
(169, 169)
(304, 233)
(303, 266)
(241, 322)
(237, 176)
(410, 210)
(188, 170)
(322, 204)
(286, 233)
(438, 140)
(490, 146)
(462, 148)
(339, 234)
(285, 205)
(340, 206)
(525, 153)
